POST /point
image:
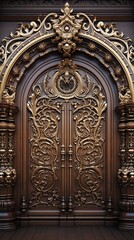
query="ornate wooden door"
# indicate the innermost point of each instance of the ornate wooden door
(66, 132)
(66, 75)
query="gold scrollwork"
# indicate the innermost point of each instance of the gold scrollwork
(89, 139)
(44, 141)
(67, 28)
(67, 82)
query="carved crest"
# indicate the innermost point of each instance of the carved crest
(67, 28)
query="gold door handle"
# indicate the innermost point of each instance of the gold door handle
(63, 203)
(70, 203)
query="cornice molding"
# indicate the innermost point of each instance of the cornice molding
(106, 13)
(62, 2)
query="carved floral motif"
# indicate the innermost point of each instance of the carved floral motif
(67, 31)
(67, 28)
(66, 82)
(9, 95)
(7, 175)
(44, 148)
(87, 109)
(126, 175)
(89, 140)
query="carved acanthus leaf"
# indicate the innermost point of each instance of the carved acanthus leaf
(111, 32)
(67, 28)
(124, 95)
(9, 94)
(23, 32)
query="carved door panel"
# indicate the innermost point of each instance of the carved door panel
(45, 142)
(66, 113)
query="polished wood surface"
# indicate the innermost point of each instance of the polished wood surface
(67, 233)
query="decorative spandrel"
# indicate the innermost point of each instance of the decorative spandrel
(88, 115)
(44, 141)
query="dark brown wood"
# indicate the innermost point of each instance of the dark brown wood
(67, 233)
(80, 215)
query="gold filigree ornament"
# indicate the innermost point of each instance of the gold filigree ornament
(89, 141)
(67, 82)
(44, 141)
(67, 28)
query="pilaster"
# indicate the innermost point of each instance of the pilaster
(126, 171)
(7, 171)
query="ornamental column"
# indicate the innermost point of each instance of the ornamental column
(7, 171)
(126, 172)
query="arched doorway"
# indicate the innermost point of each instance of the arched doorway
(66, 76)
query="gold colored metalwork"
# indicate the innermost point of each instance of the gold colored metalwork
(63, 162)
(89, 140)
(70, 152)
(44, 140)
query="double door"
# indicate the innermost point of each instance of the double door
(67, 152)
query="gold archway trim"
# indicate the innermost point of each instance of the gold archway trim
(67, 31)
(14, 60)
(122, 63)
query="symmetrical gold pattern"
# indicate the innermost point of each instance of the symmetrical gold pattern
(67, 28)
(67, 31)
(88, 116)
(81, 112)
(66, 82)
(44, 141)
